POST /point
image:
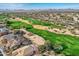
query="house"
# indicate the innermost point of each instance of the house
(12, 42)
(3, 31)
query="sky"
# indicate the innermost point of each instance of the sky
(39, 5)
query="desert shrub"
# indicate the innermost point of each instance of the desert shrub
(58, 48)
(42, 48)
(48, 45)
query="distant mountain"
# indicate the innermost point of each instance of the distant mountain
(38, 10)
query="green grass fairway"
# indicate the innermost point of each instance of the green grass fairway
(72, 42)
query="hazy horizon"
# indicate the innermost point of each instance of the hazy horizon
(39, 6)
